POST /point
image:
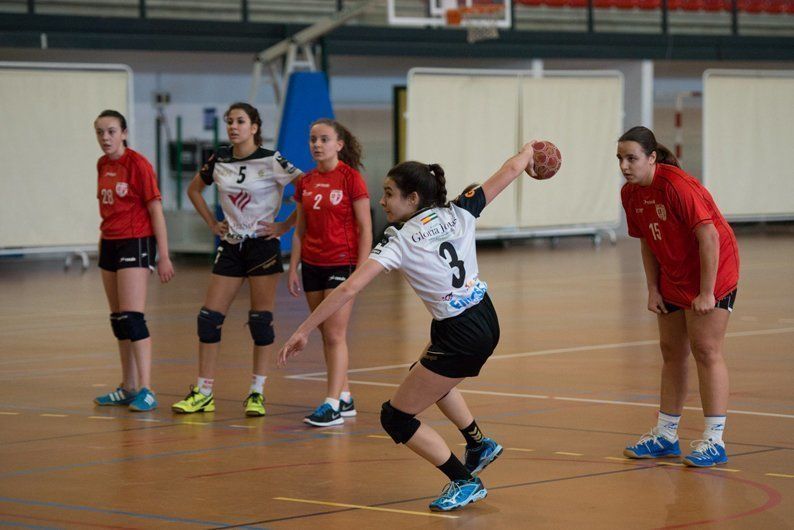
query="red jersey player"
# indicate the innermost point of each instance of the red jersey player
(691, 263)
(333, 233)
(133, 228)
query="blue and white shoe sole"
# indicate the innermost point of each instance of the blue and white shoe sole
(690, 463)
(486, 463)
(476, 497)
(631, 454)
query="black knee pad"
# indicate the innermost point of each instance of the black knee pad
(134, 325)
(209, 325)
(260, 324)
(399, 425)
(119, 330)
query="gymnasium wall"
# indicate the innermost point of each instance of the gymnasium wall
(50, 151)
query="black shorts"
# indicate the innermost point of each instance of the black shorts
(115, 254)
(460, 345)
(726, 302)
(317, 278)
(252, 257)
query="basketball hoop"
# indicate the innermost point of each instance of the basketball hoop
(480, 21)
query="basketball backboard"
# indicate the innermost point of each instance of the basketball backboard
(450, 13)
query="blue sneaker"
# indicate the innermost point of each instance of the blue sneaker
(478, 459)
(707, 453)
(117, 397)
(324, 416)
(458, 494)
(653, 445)
(144, 401)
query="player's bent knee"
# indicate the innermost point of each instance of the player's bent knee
(400, 425)
(260, 324)
(134, 325)
(209, 325)
(119, 330)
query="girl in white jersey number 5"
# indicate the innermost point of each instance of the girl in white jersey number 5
(433, 246)
(250, 182)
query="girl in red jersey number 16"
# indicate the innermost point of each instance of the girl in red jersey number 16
(691, 264)
(133, 229)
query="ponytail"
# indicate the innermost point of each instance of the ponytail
(427, 180)
(647, 140)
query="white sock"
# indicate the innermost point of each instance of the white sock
(714, 427)
(346, 397)
(333, 402)
(667, 426)
(258, 384)
(205, 385)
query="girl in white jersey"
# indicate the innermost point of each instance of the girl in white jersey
(432, 244)
(250, 182)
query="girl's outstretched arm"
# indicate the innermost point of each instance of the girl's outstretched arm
(509, 171)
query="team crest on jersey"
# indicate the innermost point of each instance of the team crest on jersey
(661, 212)
(122, 188)
(335, 196)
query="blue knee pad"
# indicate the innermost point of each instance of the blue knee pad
(400, 425)
(260, 324)
(209, 325)
(119, 331)
(133, 325)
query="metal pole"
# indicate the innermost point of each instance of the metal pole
(31, 7)
(215, 145)
(142, 8)
(179, 162)
(157, 141)
(665, 28)
(590, 17)
(245, 10)
(735, 17)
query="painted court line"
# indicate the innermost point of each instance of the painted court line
(553, 351)
(101, 418)
(780, 475)
(54, 415)
(9, 413)
(519, 449)
(360, 507)
(567, 454)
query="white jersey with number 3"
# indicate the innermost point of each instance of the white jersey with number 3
(435, 251)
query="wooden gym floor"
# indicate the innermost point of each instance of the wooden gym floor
(574, 380)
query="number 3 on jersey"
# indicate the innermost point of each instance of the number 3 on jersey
(655, 231)
(447, 251)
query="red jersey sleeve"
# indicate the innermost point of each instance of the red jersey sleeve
(298, 188)
(631, 224)
(689, 206)
(144, 180)
(358, 188)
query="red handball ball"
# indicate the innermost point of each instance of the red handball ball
(548, 159)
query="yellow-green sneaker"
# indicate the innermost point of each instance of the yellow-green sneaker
(195, 401)
(255, 404)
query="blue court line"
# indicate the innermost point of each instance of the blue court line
(23, 525)
(150, 516)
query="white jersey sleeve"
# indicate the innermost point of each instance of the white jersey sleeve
(388, 252)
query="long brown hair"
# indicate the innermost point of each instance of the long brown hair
(252, 114)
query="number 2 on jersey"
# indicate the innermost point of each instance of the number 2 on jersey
(447, 251)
